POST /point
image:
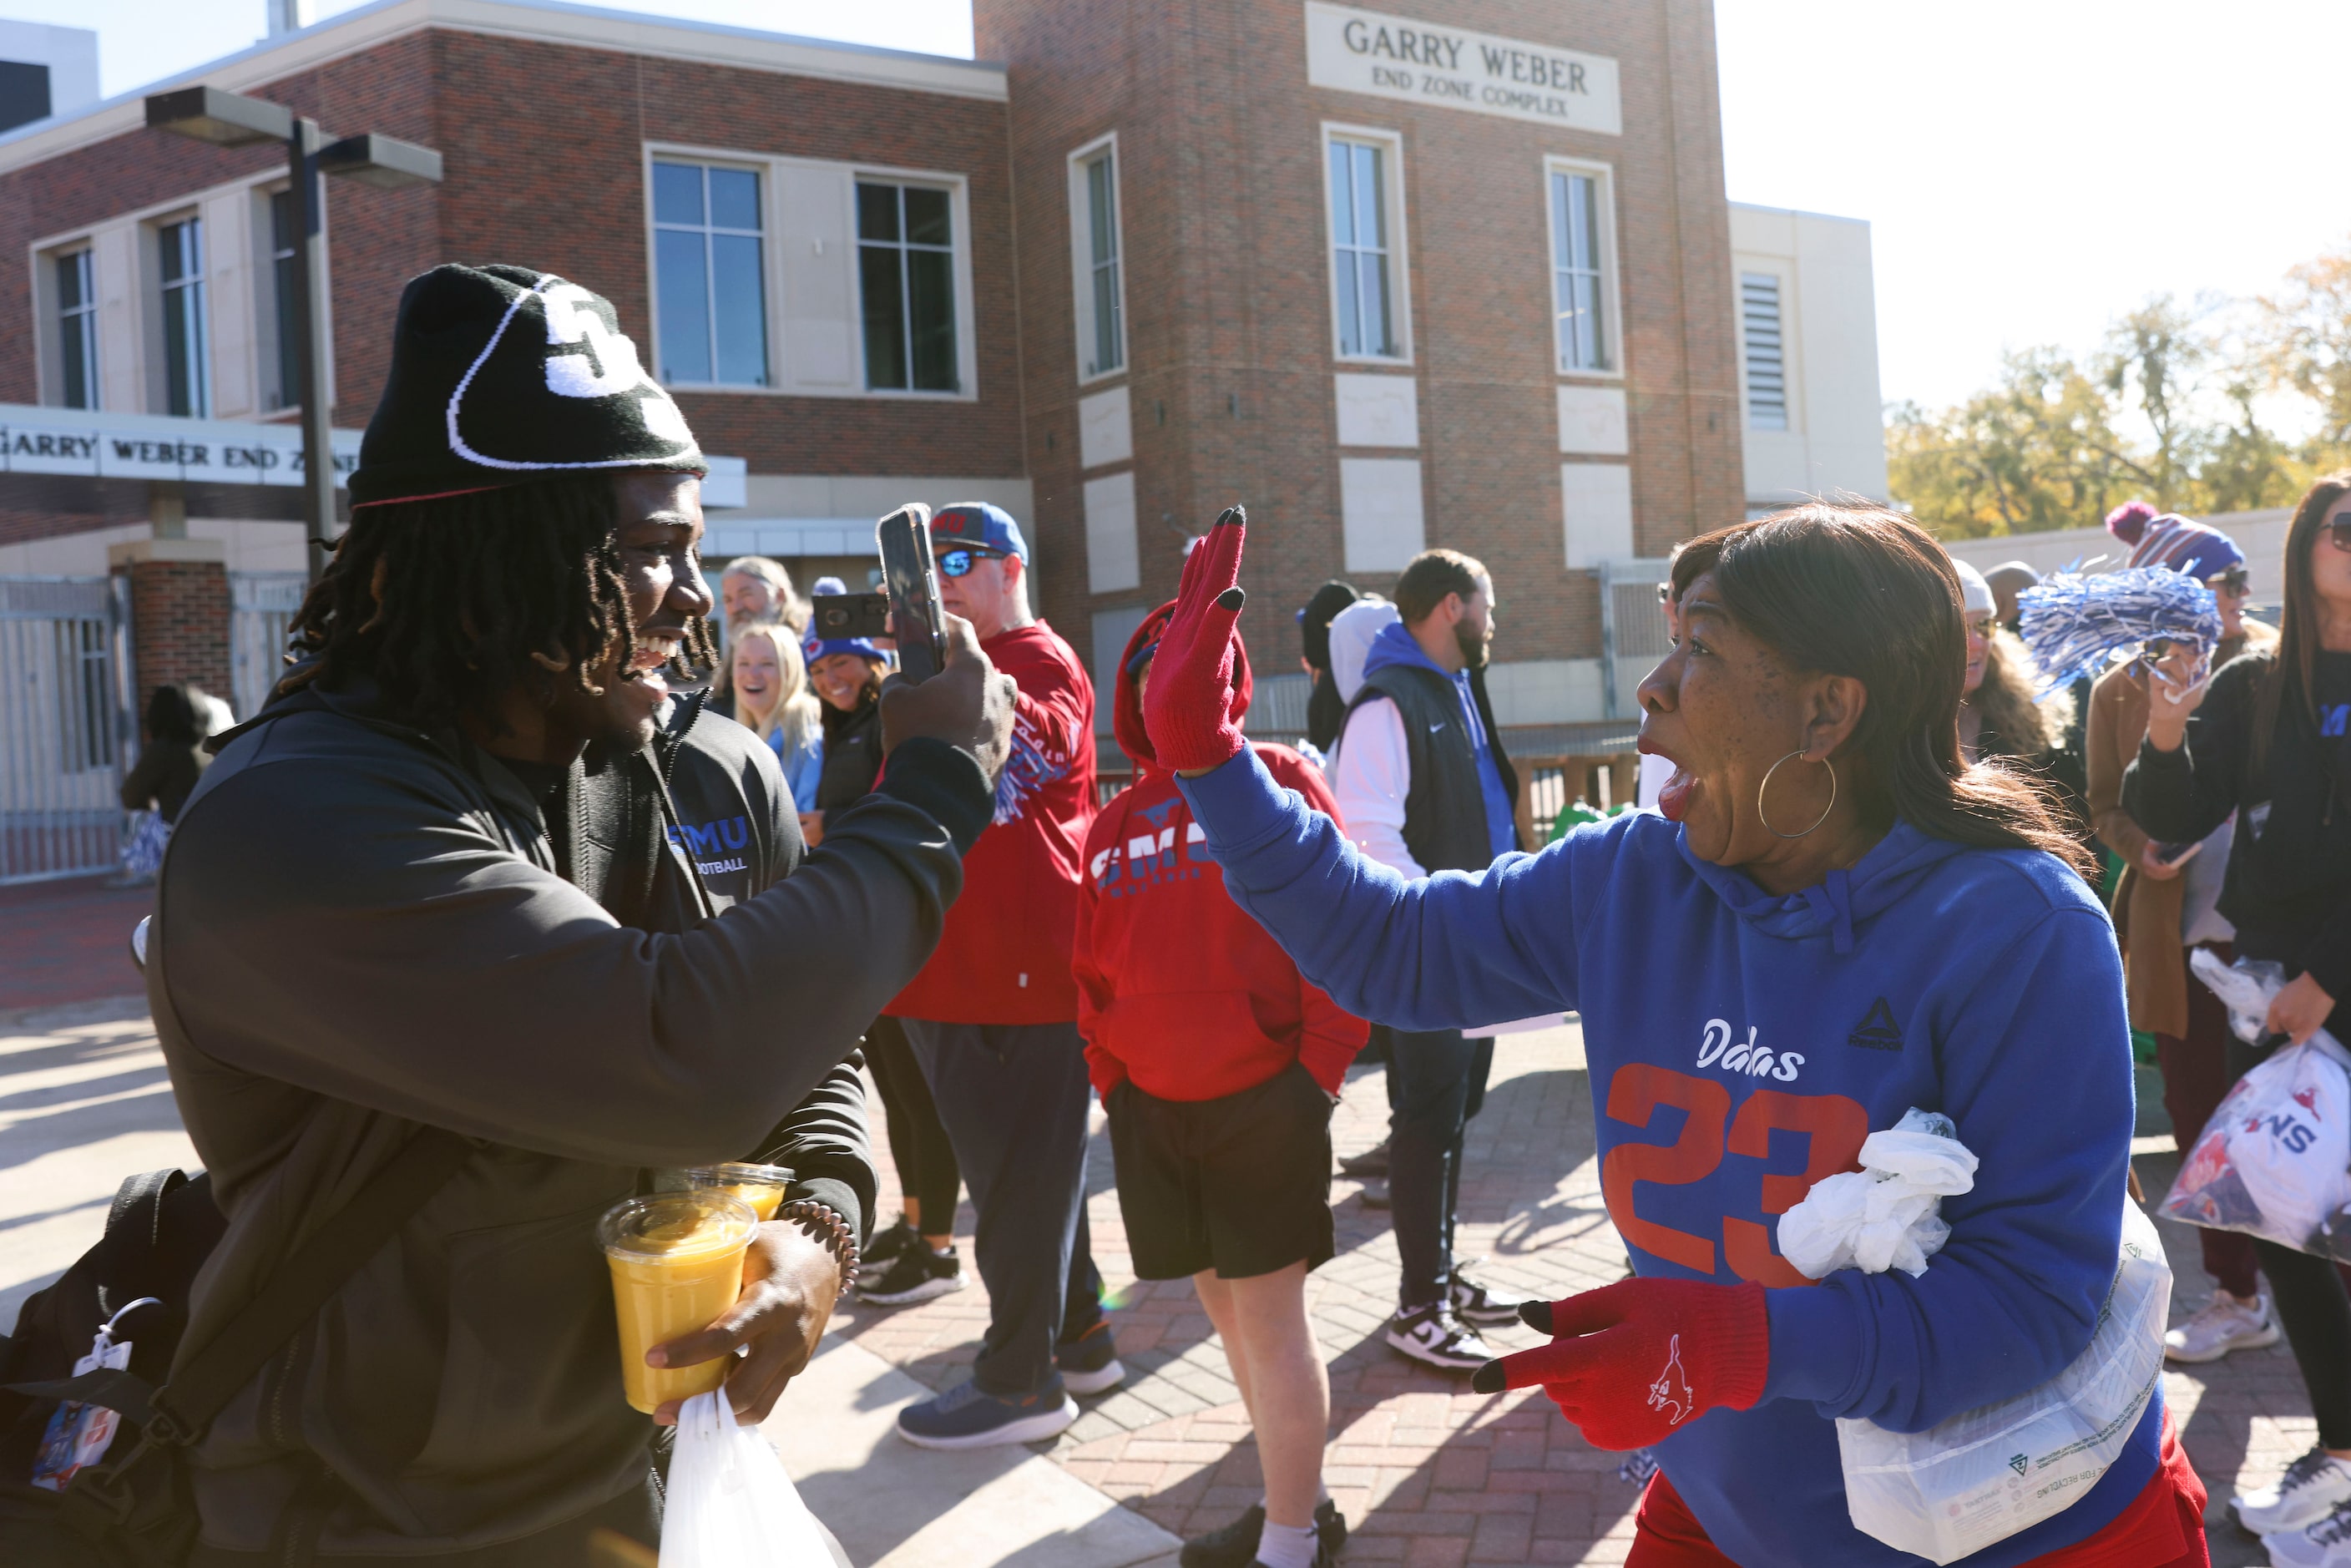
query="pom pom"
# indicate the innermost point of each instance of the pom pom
(2078, 625)
(2129, 521)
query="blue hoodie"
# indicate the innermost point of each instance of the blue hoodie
(1395, 645)
(1740, 1046)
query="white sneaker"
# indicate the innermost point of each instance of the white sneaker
(1432, 1334)
(2313, 1487)
(2326, 1544)
(2226, 1324)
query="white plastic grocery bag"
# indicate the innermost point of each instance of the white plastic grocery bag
(729, 1504)
(1885, 1215)
(1987, 1473)
(2276, 1159)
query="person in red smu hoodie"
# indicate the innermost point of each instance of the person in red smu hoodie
(1218, 1065)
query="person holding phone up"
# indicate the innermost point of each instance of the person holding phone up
(2264, 737)
(2159, 926)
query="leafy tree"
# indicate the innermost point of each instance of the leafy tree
(2302, 340)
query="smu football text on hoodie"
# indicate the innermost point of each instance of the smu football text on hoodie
(1005, 956)
(1178, 988)
(1742, 1045)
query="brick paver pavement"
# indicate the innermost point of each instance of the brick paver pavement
(1428, 1473)
(65, 941)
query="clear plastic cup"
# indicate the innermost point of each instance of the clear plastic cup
(677, 1266)
(761, 1186)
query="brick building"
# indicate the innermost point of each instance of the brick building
(1462, 276)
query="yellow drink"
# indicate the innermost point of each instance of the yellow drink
(761, 1186)
(677, 1266)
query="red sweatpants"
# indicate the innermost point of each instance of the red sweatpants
(2162, 1528)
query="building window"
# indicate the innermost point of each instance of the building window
(77, 330)
(187, 377)
(284, 226)
(709, 275)
(1361, 258)
(1577, 287)
(905, 279)
(1102, 301)
(1767, 373)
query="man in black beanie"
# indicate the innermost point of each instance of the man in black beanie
(476, 868)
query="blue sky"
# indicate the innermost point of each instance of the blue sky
(2030, 167)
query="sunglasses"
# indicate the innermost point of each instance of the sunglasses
(2237, 582)
(959, 562)
(2338, 531)
(1982, 625)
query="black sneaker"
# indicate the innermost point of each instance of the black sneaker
(1432, 1334)
(1371, 1162)
(1088, 1364)
(1483, 1306)
(890, 1243)
(917, 1276)
(1235, 1545)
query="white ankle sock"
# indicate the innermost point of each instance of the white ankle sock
(1281, 1546)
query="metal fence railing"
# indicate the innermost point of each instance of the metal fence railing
(66, 733)
(261, 603)
(1633, 635)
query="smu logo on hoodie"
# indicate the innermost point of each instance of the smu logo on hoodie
(716, 849)
(1148, 854)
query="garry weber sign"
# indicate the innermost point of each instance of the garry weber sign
(1420, 62)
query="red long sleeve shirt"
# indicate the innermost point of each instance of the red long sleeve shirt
(1004, 957)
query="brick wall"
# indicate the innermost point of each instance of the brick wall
(179, 626)
(543, 149)
(1228, 303)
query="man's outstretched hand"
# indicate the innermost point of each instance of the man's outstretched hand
(966, 704)
(1188, 706)
(1634, 1361)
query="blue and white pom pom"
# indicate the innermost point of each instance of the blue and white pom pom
(2076, 625)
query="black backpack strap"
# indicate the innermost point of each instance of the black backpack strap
(208, 1380)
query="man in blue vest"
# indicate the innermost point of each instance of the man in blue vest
(1423, 786)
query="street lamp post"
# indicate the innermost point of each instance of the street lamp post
(234, 119)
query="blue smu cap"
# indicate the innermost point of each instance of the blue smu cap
(976, 525)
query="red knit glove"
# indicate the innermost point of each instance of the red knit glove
(1188, 706)
(1636, 1359)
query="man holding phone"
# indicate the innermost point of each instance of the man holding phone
(993, 1020)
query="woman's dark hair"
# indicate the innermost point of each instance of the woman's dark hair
(2298, 625)
(444, 602)
(1865, 592)
(171, 717)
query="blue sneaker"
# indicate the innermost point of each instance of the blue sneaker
(1088, 1364)
(965, 1417)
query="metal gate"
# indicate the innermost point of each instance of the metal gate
(67, 729)
(1632, 637)
(261, 602)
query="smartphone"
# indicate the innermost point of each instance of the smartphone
(841, 617)
(911, 581)
(2178, 854)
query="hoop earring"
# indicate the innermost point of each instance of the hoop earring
(1766, 820)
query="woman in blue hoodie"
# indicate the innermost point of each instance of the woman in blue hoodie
(1836, 919)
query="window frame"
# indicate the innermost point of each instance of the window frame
(1611, 290)
(771, 270)
(1392, 188)
(956, 251)
(1787, 425)
(54, 313)
(197, 287)
(1082, 266)
(762, 171)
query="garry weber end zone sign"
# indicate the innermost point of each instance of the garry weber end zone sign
(1419, 62)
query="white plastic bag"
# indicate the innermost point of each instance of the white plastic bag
(1885, 1214)
(729, 1504)
(1987, 1473)
(2273, 1160)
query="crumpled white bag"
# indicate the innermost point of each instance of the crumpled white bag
(1885, 1215)
(729, 1504)
(2273, 1161)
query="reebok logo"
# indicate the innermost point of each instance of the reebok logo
(1877, 1030)
(1671, 1391)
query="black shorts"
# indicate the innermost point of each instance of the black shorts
(1241, 1185)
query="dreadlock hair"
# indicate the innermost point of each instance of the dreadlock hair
(449, 601)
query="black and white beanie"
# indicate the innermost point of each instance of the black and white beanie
(501, 375)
